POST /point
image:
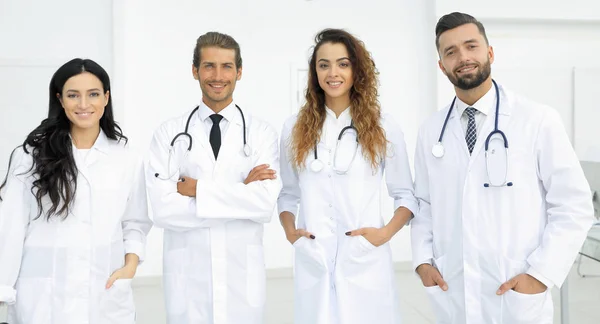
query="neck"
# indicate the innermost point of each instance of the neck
(217, 106)
(337, 105)
(84, 138)
(471, 96)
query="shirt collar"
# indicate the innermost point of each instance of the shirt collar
(483, 105)
(344, 116)
(205, 112)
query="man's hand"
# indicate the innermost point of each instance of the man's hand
(430, 276)
(376, 236)
(187, 186)
(259, 173)
(524, 284)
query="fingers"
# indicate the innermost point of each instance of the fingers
(360, 231)
(258, 168)
(111, 280)
(301, 232)
(507, 286)
(437, 278)
(263, 174)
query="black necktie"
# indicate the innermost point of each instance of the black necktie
(215, 134)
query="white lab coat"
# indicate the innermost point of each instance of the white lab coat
(55, 272)
(481, 237)
(341, 279)
(214, 271)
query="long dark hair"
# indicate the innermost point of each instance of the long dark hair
(49, 145)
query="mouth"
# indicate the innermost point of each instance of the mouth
(467, 69)
(84, 114)
(334, 84)
(217, 86)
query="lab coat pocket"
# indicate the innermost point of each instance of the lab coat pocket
(34, 300)
(309, 265)
(440, 300)
(256, 276)
(521, 308)
(368, 266)
(117, 305)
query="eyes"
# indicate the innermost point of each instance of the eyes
(342, 65)
(93, 94)
(469, 47)
(209, 66)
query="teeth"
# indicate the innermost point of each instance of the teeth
(217, 86)
(334, 83)
(466, 69)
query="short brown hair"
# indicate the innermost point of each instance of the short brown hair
(216, 39)
(456, 19)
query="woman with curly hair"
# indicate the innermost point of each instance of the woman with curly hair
(334, 155)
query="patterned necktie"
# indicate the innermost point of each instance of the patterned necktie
(471, 135)
(215, 134)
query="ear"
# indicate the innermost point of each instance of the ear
(195, 72)
(60, 99)
(491, 54)
(442, 67)
(239, 74)
(106, 97)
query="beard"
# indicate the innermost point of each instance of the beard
(469, 82)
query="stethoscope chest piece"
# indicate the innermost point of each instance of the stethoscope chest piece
(438, 150)
(247, 150)
(316, 166)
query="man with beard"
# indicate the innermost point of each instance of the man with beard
(496, 228)
(212, 186)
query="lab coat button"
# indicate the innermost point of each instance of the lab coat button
(330, 205)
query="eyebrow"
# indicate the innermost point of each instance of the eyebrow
(213, 63)
(340, 59)
(469, 41)
(90, 90)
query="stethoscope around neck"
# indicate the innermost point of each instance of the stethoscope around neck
(438, 150)
(317, 165)
(185, 133)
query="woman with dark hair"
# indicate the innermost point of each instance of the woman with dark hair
(334, 155)
(73, 211)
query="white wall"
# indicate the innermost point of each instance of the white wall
(33, 44)
(154, 46)
(578, 10)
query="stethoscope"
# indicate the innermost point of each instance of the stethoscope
(438, 150)
(185, 133)
(317, 165)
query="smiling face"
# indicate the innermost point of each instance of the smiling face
(465, 56)
(334, 71)
(83, 99)
(217, 74)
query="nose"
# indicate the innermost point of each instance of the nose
(84, 102)
(462, 56)
(333, 71)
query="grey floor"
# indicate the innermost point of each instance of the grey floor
(584, 299)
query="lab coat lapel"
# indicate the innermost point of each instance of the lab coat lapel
(201, 145)
(457, 131)
(97, 151)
